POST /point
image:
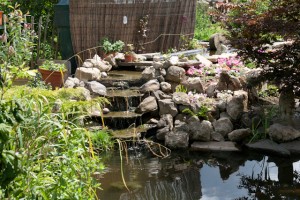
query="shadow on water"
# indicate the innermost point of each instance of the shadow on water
(193, 176)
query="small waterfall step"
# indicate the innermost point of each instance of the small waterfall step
(123, 79)
(123, 100)
(119, 119)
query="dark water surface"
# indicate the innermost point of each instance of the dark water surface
(197, 175)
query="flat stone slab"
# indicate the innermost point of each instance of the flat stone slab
(139, 63)
(268, 146)
(214, 146)
(293, 147)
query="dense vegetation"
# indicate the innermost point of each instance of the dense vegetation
(252, 26)
(44, 151)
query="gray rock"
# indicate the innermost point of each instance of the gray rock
(161, 133)
(216, 41)
(293, 147)
(157, 65)
(111, 61)
(224, 115)
(156, 58)
(181, 126)
(165, 121)
(226, 82)
(103, 75)
(181, 98)
(70, 82)
(215, 136)
(210, 90)
(221, 105)
(96, 88)
(281, 133)
(194, 84)
(88, 64)
(161, 95)
(175, 74)
(200, 130)
(163, 72)
(203, 60)
(150, 86)
(148, 73)
(166, 87)
(167, 106)
(105, 110)
(160, 78)
(83, 94)
(149, 104)
(177, 140)
(214, 146)
(87, 74)
(223, 126)
(237, 105)
(268, 146)
(239, 135)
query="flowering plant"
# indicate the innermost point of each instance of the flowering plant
(230, 62)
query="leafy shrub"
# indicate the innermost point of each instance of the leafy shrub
(205, 27)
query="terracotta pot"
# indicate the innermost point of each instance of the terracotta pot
(129, 58)
(1, 18)
(55, 78)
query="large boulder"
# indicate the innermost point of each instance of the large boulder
(281, 133)
(167, 106)
(223, 126)
(175, 74)
(237, 104)
(216, 41)
(200, 130)
(177, 140)
(96, 88)
(149, 104)
(150, 86)
(181, 98)
(194, 84)
(239, 135)
(87, 74)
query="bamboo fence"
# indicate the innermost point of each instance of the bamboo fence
(126, 20)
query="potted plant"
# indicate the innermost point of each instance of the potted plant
(111, 48)
(1, 17)
(53, 73)
(129, 54)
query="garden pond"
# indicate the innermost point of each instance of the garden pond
(198, 175)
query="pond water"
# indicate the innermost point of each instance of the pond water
(197, 175)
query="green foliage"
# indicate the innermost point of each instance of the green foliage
(102, 140)
(261, 133)
(204, 25)
(202, 113)
(109, 47)
(15, 53)
(181, 88)
(271, 90)
(51, 66)
(270, 20)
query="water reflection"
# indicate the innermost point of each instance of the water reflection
(201, 176)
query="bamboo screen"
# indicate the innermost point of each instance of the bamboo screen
(91, 20)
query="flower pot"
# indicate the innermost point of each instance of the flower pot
(129, 58)
(1, 18)
(55, 78)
